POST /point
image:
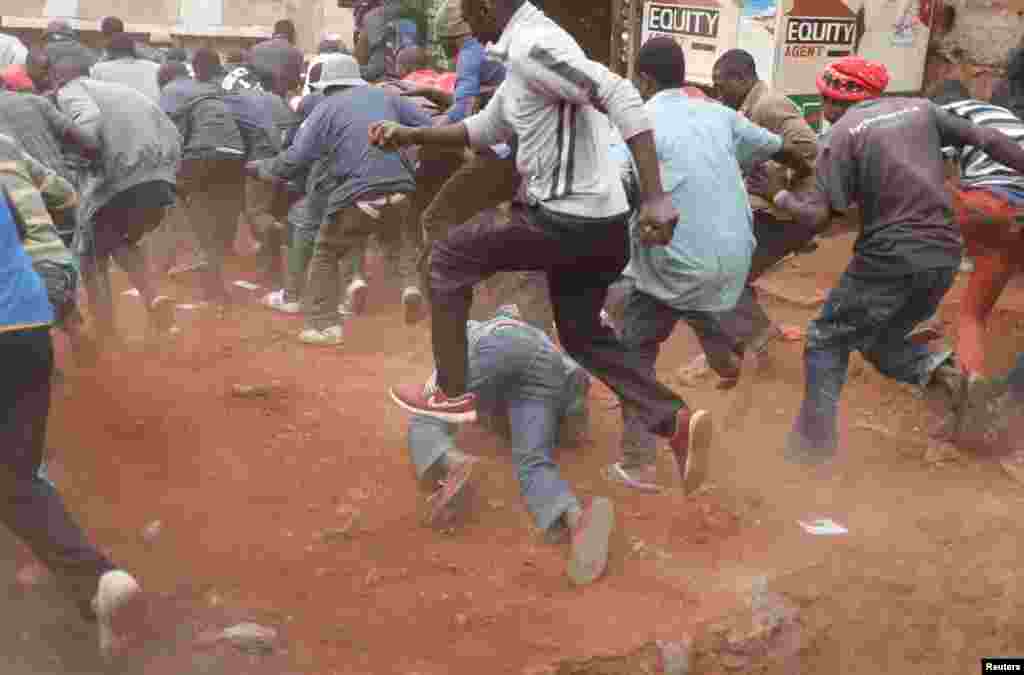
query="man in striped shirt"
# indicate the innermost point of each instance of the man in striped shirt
(989, 193)
(556, 103)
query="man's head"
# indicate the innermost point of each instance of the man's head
(411, 59)
(338, 72)
(660, 65)
(734, 75)
(37, 64)
(488, 18)
(121, 45)
(109, 27)
(58, 29)
(64, 71)
(206, 64)
(285, 30)
(949, 91)
(169, 72)
(453, 28)
(849, 81)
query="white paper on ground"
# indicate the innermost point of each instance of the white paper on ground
(247, 285)
(188, 306)
(823, 527)
(134, 292)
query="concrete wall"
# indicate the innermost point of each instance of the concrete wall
(186, 21)
(975, 47)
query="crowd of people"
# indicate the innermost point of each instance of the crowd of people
(620, 210)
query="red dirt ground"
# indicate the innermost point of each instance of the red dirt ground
(249, 492)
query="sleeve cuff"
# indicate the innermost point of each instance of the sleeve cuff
(634, 123)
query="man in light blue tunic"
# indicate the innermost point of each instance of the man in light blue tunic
(703, 150)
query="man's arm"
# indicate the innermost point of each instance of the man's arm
(66, 130)
(56, 191)
(958, 132)
(307, 148)
(75, 102)
(484, 129)
(410, 114)
(467, 82)
(799, 141)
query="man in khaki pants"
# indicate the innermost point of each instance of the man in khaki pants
(357, 189)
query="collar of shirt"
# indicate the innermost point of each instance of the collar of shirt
(520, 19)
(752, 99)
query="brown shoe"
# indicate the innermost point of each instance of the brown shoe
(691, 445)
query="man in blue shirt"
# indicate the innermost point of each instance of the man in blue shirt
(357, 190)
(535, 391)
(703, 147)
(30, 506)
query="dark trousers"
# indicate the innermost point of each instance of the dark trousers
(29, 506)
(581, 260)
(747, 324)
(646, 324)
(215, 189)
(118, 234)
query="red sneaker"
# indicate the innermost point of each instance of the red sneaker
(429, 400)
(691, 444)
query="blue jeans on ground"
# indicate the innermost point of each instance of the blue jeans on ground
(873, 315)
(511, 371)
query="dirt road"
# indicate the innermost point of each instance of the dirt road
(297, 509)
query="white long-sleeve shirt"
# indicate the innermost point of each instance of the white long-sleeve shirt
(550, 101)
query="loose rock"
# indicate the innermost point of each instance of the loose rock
(249, 637)
(151, 532)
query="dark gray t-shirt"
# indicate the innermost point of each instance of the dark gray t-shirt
(885, 156)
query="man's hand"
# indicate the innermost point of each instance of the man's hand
(657, 220)
(765, 183)
(390, 135)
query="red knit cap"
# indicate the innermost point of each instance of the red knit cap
(16, 78)
(853, 79)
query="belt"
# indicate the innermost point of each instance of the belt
(371, 207)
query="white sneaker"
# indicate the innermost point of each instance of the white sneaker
(120, 610)
(355, 295)
(412, 301)
(276, 302)
(328, 337)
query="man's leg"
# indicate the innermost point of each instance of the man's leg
(259, 206)
(29, 505)
(646, 324)
(131, 258)
(992, 271)
(482, 182)
(96, 274)
(338, 235)
(353, 271)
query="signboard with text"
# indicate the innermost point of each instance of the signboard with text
(705, 29)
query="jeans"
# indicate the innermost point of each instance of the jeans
(646, 324)
(260, 197)
(873, 315)
(513, 373)
(216, 197)
(580, 260)
(747, 324)
(30, 505)
(343, 232)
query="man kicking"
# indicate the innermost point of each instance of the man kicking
(530, 389)
(575, 228)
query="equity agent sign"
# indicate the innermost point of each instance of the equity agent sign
(703, 28)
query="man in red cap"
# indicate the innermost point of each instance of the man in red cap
(885, 155)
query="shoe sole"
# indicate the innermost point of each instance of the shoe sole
(415, 311)
(447, 511)
(118, 625)
(317, 343)
(454, 418)
(588, 559)
(696, 466)
(617, 475)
